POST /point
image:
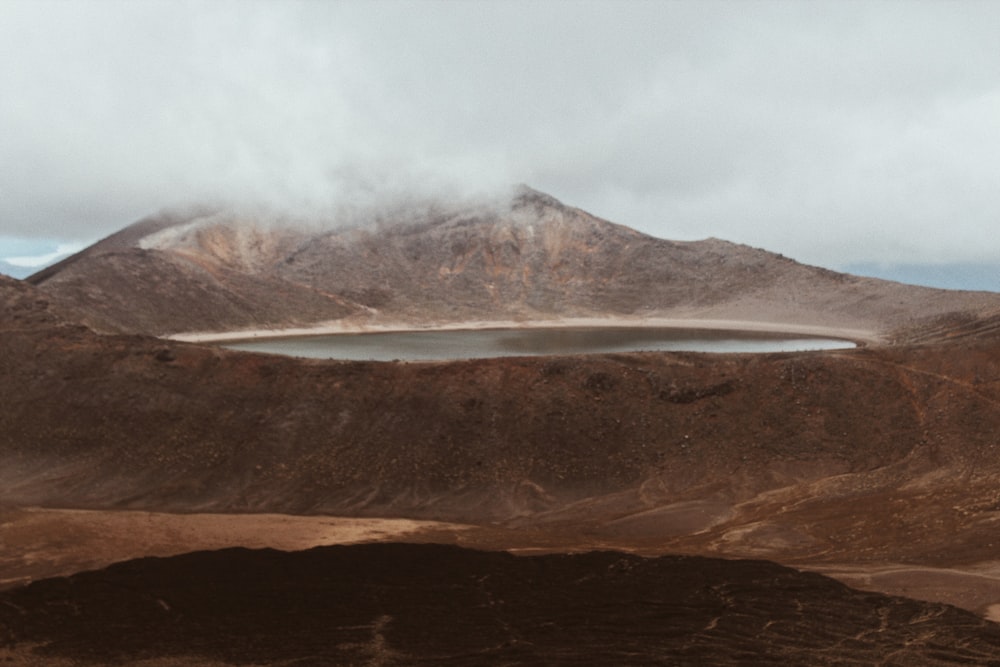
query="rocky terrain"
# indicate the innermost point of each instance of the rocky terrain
(410, 604)
(877, 465)
(527, 259)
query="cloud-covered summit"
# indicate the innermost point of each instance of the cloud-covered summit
(830, 132)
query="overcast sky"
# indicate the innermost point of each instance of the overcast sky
(831, 132)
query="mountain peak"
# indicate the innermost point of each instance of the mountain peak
(525, 195)
(527, 258)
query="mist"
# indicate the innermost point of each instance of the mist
(834, 133)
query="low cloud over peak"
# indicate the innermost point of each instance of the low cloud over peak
(828, 132)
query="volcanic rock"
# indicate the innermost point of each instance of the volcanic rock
(410, 604)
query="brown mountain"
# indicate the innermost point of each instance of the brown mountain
(531, 258)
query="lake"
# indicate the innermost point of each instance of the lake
(474, 344)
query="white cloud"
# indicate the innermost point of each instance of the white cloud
(44, 259)
(831, 132)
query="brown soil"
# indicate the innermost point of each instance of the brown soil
(40, 543)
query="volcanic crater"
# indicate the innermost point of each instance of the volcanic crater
(632, 487)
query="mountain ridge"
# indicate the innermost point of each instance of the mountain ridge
(526, 259)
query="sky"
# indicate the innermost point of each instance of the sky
(843, 134)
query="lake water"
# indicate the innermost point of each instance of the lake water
(429, 345)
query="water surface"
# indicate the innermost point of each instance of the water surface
(429, 345)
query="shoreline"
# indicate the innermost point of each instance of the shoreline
(860, 337)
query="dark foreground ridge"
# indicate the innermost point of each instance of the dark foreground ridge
(399, 604)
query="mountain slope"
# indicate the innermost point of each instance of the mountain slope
(531, 258)
(705, 452)
(847, 460)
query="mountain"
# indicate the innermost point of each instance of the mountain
(25, 308)
(529, 258)
(877, 465)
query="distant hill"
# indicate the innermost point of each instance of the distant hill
(529, 258)
(24, 307)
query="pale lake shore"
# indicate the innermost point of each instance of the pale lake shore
(859, 336)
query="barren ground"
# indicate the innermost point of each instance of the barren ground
(39, 543)
(876, 465)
